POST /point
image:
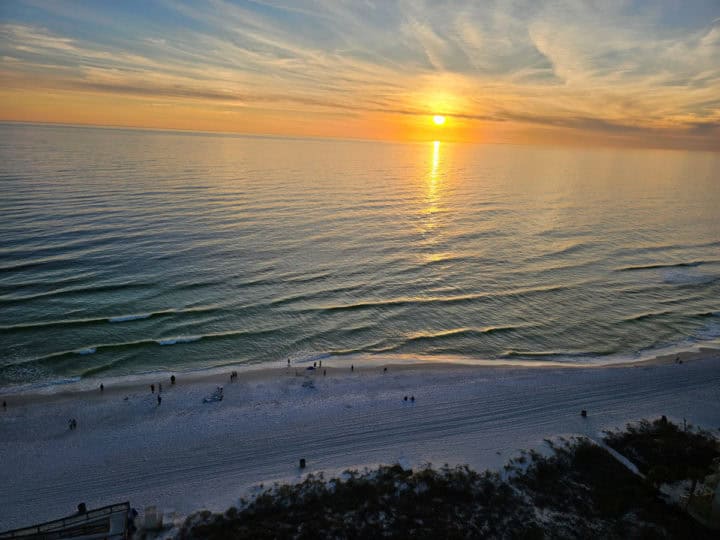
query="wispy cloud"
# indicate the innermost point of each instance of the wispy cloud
(601, 67)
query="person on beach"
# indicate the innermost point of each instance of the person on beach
(288, 362)
(320, 364)
(405, 398)
(412, 398)
(384, 370)
(172, 379)
(314, 364)
(352, 367)
(324, 372)
(152, 388)
(4, 405)
(160, 388)
(102, 387)
(159, 398)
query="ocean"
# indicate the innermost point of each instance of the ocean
(126, 251)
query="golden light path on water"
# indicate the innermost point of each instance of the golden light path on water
(433, 205)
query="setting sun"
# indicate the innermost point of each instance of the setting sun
(439, 120)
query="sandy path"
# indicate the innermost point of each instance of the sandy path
(185, 455)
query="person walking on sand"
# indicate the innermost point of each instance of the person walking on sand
(159, 388)
(159, 398)
(152, 388)
(172, 379)
(4, 405)
(102, 387)
(352, 367)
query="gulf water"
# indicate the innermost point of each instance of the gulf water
(128, 251)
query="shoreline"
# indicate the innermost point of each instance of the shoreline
(125, 384)
(185, 454)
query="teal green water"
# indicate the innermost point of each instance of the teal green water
(126, 251)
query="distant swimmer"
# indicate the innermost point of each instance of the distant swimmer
(405, 398)
(172, 379)
(159, 398)
(102, 387)
(152, 388)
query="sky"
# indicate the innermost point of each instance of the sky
(606, 72)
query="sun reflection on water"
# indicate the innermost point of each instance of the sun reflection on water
(431, 196)
(432, 207)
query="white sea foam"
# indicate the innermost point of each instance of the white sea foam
(179, 339)
(87, 350)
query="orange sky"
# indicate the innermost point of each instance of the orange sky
(564, 73)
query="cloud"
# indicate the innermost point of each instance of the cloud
(600, 67)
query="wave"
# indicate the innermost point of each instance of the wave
(646, 316)
(439, 300)
(558, 355)
(179, 339)
(570, 249)
(96, 289)
(459, 333)
(381, 346)
(126, 318)
(111, 319)
(175, 340)
(661, 314)
(656, 266)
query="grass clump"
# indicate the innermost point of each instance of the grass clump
(578, 491)
(664, 451)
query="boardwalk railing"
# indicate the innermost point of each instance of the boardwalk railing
(107, 522)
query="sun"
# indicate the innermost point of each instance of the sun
(439, 120)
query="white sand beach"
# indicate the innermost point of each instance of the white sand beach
(185, 455)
